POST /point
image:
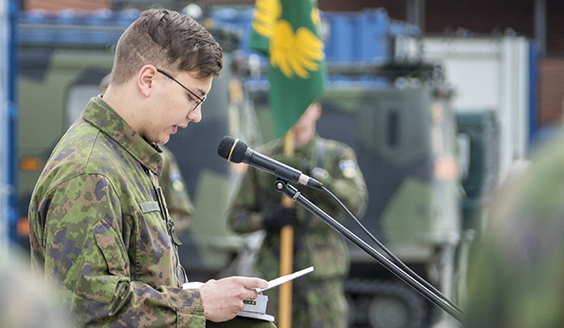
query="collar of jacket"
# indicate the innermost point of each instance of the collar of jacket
(102, 116)
(305, 149)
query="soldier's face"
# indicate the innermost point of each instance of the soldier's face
(306, 123)
(176, 105)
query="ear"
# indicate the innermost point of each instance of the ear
(146, 79)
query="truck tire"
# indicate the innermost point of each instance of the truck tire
(393, 304)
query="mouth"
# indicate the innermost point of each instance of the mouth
(176, 127)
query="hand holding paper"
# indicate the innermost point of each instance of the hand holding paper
(272, 283)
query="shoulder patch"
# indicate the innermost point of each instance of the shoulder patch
(174, 175)
(176, 179)
(348, 168)
(178, 185)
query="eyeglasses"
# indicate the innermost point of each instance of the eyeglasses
(199, 100)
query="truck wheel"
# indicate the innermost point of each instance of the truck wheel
(396, 306)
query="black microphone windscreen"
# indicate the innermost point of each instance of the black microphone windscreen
(231, 149)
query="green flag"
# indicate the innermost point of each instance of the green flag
(286, 31)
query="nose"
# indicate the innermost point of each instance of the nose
(196, 114)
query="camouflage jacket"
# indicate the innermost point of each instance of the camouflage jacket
(315, 243)
(97, 228)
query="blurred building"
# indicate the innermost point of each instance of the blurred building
(536, 19)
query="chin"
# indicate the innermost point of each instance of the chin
(160, 141)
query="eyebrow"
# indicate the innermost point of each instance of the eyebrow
(201, 91)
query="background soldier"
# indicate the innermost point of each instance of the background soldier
(319, 299)
(174, 189)
(517, 275)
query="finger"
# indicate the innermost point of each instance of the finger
(254, 283)
(250, 294)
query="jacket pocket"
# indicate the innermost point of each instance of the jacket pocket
(104, 266)
(112, 248)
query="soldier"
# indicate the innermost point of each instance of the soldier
(319, 299)
(99, 225)
(517, 273)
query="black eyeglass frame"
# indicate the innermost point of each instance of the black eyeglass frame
(201, 100)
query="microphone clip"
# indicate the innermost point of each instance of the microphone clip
(282, 186)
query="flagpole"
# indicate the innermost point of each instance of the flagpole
(299, 71)
(286, 251)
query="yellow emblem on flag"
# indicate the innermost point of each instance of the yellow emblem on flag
(266, 13)
(286, 33)
(295, 53)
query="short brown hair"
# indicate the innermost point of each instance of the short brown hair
(168, 40)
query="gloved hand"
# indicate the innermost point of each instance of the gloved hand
(280, 216)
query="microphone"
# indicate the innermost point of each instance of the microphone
(236, 151)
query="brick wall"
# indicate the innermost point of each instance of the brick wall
(555, 28)
(480, 16)
(551, 90)
(77, 5)
(396, 9)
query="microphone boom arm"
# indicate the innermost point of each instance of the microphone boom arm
(292, 193)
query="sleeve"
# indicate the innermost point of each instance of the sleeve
(344, 178)
(86, 256)
(244, 215)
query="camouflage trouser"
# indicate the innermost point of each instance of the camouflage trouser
(314, 305)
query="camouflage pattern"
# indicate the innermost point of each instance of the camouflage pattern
(316, 304)
(179, 204)
(318, 297)
(517, 274)
(99, 232)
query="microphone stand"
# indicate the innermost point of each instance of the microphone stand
(439, 300)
